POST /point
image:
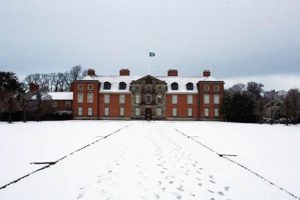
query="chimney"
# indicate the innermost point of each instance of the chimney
(172, 72)
(206, 73)
(124, 72)
(33, 87)
(91, 72)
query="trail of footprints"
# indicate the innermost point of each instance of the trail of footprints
(178, 172)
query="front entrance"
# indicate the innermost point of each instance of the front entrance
(148, 114)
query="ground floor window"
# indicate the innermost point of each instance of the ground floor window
(174, 112)
(90, 111)
(79, 111)
(122, 111)
(158, 112)
(54, 104)
(206, 112)
(190, 112)
(106, 111)
(216, 112)
(137, 111)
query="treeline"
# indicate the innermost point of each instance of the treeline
(250, 103)
(17, 104)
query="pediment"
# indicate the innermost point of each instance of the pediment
(148, 80)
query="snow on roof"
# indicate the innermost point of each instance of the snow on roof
(61, 95)
(182, 81)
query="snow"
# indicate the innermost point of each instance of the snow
(148, 160)
(61, 95)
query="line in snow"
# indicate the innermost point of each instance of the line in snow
(62, 158)
(237, 163)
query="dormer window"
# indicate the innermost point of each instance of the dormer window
(106, 85)
(174, 86)
(122, 86)
(189, 86)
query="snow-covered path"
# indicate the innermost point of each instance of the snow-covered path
(147, 160)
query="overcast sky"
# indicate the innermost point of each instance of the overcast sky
(232, 38)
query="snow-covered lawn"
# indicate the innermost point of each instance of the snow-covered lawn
(149, 160)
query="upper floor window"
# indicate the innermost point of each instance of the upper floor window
(80, 98)
(122, 98)
(216, 88)
(137, 98)
(148, 99)
(107, 85)
(90, 87)
(122, 86)
(206, 87)
(216, 99)
(158, 98)
(148, 88)
(206, 99)
(174, 86)
(189, 86)
(189, 99)
(80, 87)
(174, 99)
(90, 97)
(106, 98)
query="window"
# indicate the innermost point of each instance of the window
(190, 112)
(189, 99)
(79, 111)
(148, 88)
(148, 99)
(174, 86)
(68, 104)
(189, 86)
(122, 98)
(80, 87)
(174, 112)
(106, 85)
(137, 98)
(206, 112)
(54, 104)
(80, 98)
(122, 86)
(137, 111)
(159, 88)
(90, 97)
(174, 99)
(216, 112)
(106, 111)
(206, 99)
(122, 111)
(216, 88)
(90, 87)
(206, 88)
(158, 98)
(106, 98)
(216, 99)
(158, 111)
(90, 111)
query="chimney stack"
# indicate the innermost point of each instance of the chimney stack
(124, 72)
(33, 87)
(91, 72)
(172, 72)
(206, 73)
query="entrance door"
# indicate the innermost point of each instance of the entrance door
(148, 113)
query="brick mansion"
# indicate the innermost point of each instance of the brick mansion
(123, 96)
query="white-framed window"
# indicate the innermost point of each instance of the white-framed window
(122, 111)
(174, 112)
(216, 88)
(106, 111)
(90, 87)
(206, 99)
(80, 87)
(216, 99)
(68, 104)
(189, 99)
(158, 98)
(106, 98)
(137, 111)
(148, 99)
(137, 98)
(174, 99)
(206, 88)
(90, 111)
(122, 98)
(90, 97)
(190, 112)
(54, 104)
(80, 97)
(216, 112)
(158, 112)
(206, 112)
(79, 111)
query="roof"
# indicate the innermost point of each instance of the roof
(61, 95)
(115, 80)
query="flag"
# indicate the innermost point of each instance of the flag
(151, 54)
